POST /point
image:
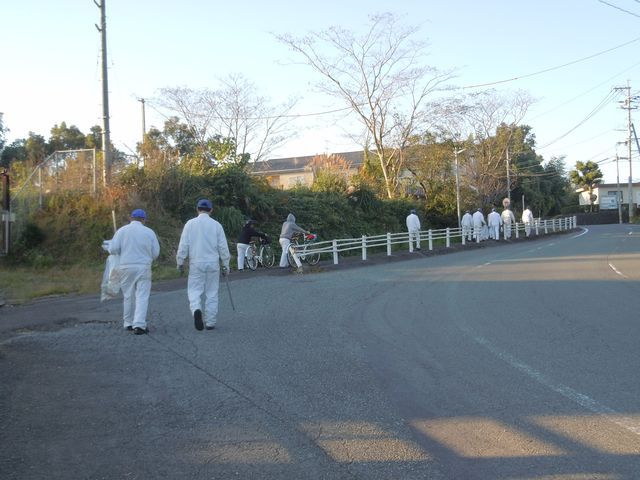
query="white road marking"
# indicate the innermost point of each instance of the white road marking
(580, 398)
(616, 270)
(584, 230)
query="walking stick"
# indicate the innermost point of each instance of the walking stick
(226, 280)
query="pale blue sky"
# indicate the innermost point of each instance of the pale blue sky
(51, 61)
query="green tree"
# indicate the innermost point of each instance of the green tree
(66, 138)
(586, 176)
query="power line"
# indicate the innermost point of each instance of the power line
(591, 114)
(586, 91)
(553, 68)
(619, 8)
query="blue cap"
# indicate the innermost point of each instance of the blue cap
(138, 213)
(204, 203)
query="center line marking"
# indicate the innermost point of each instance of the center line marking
(616, 270)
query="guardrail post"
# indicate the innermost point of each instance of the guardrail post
(464, 240)
(388, 244)
(335, 251)
(537, 223)
(430, 240)
(575, 221)
(364, 247)
(553, 224)
(546, 227)
(448, 237)
(410, 242)
(517, 233)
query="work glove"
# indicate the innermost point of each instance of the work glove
(225, 271)
(181, 269)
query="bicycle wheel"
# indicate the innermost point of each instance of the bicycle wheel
(313, 258)
(251, 260)
(290, 258)
(267, 256)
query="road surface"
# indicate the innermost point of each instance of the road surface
(518, 361)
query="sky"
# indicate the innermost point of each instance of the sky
(569, 55)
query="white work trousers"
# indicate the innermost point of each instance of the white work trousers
(203, 281)
(284, 261)
(527, 228)
(494, 232)
(466, 231)
(242, 253)
(414, 236)
(136, 288)
(507, 231)
(477, 232)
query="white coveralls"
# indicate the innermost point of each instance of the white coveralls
(138, 247)
(527, 219)
(494, 220)
(508, 218)
(413, 226)
(478, 223)
(467, 225)
(204, 243)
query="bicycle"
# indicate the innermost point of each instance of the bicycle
(264, 256)
(301, 250)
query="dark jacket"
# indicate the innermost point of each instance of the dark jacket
(247, 233)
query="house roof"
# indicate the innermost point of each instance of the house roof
(297, 164)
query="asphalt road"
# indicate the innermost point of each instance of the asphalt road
(518, 361)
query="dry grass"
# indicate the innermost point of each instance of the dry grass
(21, 284)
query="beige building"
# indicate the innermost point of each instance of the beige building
(285, 173)
(605, 194)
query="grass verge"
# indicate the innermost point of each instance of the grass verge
(19, 284)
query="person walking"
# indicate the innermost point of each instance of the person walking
(413, 226)
(137, 245)
(508, 219)
(494, 221)
(478, 223)
(467, 225)
(289, 228)
(527, 219)
(246, 234)
(204, 243)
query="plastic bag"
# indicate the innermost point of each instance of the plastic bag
(111, 278)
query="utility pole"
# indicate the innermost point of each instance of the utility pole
(106, 131)
(144, 128)
(508, 178)
(628, 106)
(456, 152)
(618, 199)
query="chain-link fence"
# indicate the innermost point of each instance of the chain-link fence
(78, 171)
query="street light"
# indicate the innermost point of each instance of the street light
(456, 152)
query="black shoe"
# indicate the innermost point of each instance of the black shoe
(211, 327)
(140, 331)
(197, 320)
(129, 328)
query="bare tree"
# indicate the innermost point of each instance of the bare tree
(379, 77)
(235, 111)
(490, 122)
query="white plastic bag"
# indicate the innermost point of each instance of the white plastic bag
(110, 287)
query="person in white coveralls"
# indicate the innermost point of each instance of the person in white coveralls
(138, 247)
(413, 226)
(527, 219)
(478, 223)
(467, 225)
(508, 219)
(494, 221)
(204, 243)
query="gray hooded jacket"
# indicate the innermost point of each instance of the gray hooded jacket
(289, 227)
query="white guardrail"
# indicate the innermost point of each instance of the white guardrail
(449, 235)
